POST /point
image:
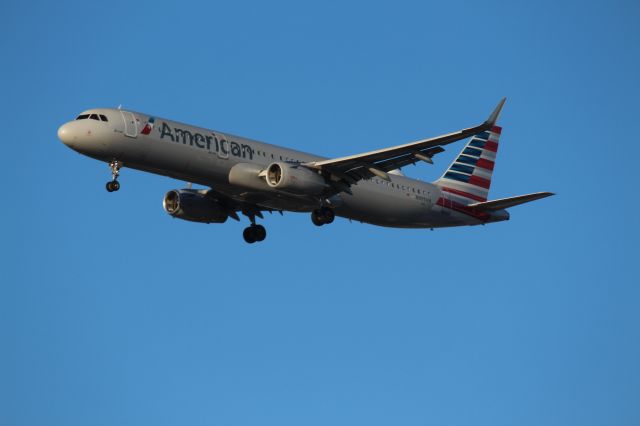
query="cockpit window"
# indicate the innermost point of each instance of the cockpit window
(98, 117)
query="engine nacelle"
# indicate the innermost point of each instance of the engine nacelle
(294, 179)
(193, 205)
(248, 176)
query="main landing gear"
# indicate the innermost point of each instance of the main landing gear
(113, 184)
(254, 233)
(322, 216)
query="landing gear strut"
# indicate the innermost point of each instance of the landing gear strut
(254, 233)
(322, 216)
(113, 184)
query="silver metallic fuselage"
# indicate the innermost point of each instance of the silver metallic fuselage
(205, 157)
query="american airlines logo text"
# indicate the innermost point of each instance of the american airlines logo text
(211, 143)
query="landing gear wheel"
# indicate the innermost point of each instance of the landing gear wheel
(249, 235)
(328, 215)
(113, 185)
(254, 233)
(322, 216)
(259, 232)
(316, 218)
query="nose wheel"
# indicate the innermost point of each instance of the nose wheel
(322, 216)
(113, 184)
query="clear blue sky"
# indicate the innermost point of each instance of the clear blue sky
(112, 313)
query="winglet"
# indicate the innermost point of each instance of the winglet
(496, 113)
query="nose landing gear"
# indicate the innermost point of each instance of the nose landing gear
(322, 216)
(113, 184)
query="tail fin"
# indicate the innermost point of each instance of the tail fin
(469, 177)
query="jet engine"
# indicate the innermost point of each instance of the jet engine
(194, 206)
(294, 179)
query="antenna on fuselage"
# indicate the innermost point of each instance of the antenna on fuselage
(120, 106)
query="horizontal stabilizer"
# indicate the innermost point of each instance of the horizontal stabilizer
(505, 203)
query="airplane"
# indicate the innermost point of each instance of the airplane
(251, 177)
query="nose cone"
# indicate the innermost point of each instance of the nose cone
(64, 134)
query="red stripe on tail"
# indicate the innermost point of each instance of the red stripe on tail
(491, 146)
(464, 194)
(485, 164)
(478, 181)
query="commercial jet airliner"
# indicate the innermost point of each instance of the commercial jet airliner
(250, 177)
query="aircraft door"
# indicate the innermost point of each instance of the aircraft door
(130, 125)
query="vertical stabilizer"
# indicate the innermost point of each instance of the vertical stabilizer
(468, 179)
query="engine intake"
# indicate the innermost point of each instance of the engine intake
(194, 206)
(294, 179)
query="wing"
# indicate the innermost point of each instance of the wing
(353, 168)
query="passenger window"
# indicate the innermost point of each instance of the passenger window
(94, 117)
(82, 117)
(103, 117)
